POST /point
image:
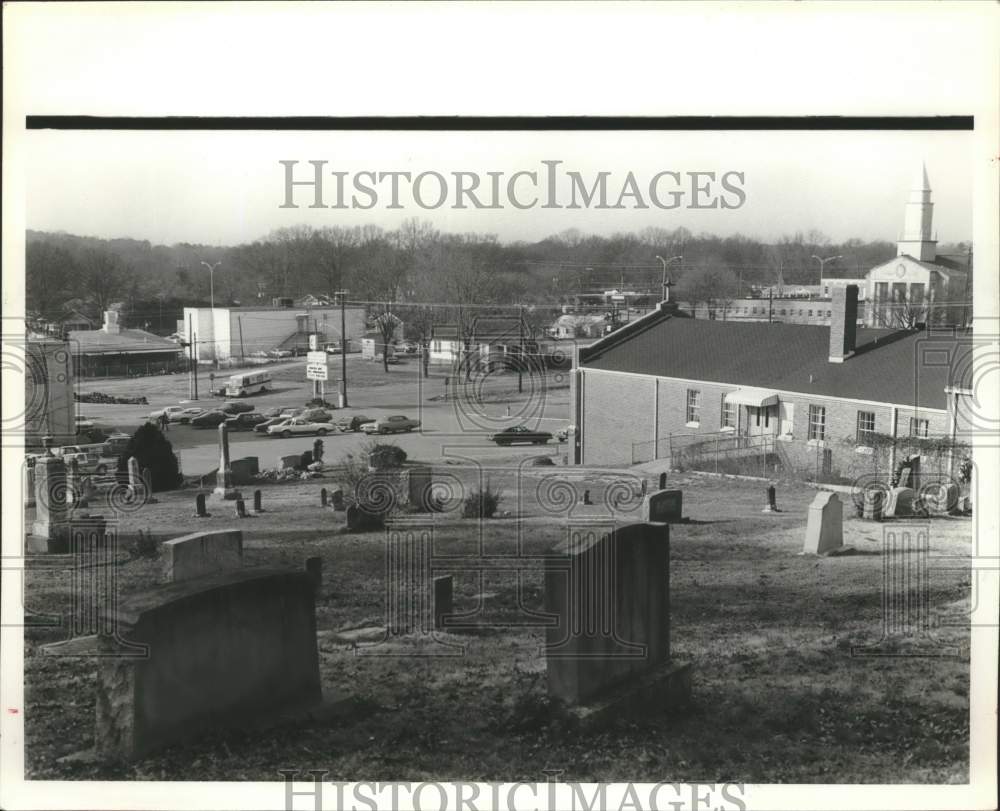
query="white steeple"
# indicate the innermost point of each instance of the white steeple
(917, 240)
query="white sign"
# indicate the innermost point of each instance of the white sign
(316, 366)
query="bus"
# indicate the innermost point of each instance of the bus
(248, 383)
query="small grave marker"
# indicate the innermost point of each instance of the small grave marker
(258, 506)
(241, 508)
(199, 504)
(825, 526)
(663, 507)
(322, 497)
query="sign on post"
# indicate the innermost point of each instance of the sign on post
(316, 366)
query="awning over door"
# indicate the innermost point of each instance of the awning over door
(752, 397)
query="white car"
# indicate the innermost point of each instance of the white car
(298, 426)
(180, 414)
(391, 425)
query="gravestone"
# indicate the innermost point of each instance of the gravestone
(610, 644)
(241, 508)
(586, 497)
(899, 503)
(305, 460)
(258, 506)
(222, 650)
(772, 501)
(336, 497)
(202, 553)
(905, 476)
(147, 485)
(243, 470)
(825, 525)
(314, 568)
(643, 489)
(663, 481)
(443, 599)
(135, 484)
(199, 504)
(318, 450)
(88, 491)
(359, 520)
(873, 506)
(322, 497)
(224, 478)
(663, 507)
(49, 530)
(290, 461)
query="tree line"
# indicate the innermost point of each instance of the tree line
(415, 264)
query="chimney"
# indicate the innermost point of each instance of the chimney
(111, 325)
(843, 322)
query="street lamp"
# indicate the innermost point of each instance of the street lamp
(822, 264)
(211, 279)
(663, 284)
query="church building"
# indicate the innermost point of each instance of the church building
(918, 286)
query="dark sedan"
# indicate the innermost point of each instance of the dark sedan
(236, 408)
(521, 434)
(210, 419)
(245, 421)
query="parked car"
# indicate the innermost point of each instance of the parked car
(246, 421)
(408, 348)
(353, 423)
(291, 411)
(169, 410)
(184, 417)
(390, 425)
(317, 415)
(210, 419)
(333, 349)
(271, 413)
(280, 353)
(87, 463)
(392, 360)
(236, 408)
(298, 426)
(520, 434)
(83, 423)
(115, 444)
(261, 427)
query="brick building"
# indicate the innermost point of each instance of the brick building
(806, 389)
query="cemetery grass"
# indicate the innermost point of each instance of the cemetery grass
(777, 695)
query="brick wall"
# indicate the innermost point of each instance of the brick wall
(622, 409)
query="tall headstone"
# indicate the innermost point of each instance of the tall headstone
(224, 478)
(318, 450)
(337, 499)
(29, 486)
(899, 503)
(873, 506)
(322, 497)
(50, 525)
(663, 481)
(199, 503)
(135, 484)
(147, 485)
(610, 593)
(258, 505)
(73, 485)
(825, 525)
(241, 509)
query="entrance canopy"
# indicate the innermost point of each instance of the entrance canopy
(752, 397)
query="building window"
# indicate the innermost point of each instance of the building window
(693, 406)
(817, 423)
(784, 312)
(810, 313)
(728, 414)
(919, 428)
(829, 313)
(866, 428)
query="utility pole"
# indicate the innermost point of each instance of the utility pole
(343, 348)
(520, 335)
(193, 364)
(664, 284)
(770, 305)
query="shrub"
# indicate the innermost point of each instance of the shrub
(153, 450)
(319, 402)
(383, 455)
(482, 503)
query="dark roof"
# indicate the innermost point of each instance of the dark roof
(97, 342)
(909, 368)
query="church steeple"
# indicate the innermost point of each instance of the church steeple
(916, 240)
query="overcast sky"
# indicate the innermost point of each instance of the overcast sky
(227, 187)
